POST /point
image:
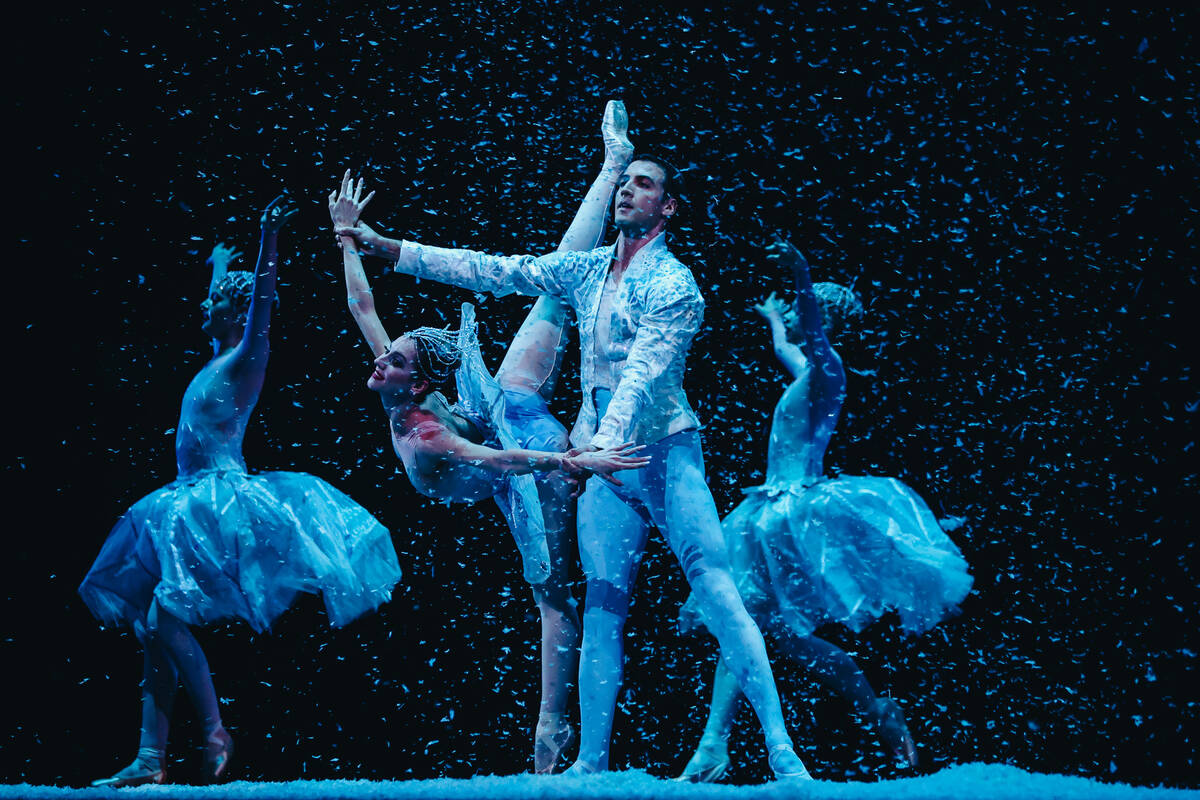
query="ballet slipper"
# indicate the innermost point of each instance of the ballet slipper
(618, 150)
(581, 767)
(146, 768)
(708, 764)
(550, 745)
(218, 749)
(893, 730)
(786, 765)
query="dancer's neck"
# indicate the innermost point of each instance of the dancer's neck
(628, 245)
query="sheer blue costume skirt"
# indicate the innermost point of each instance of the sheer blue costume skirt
(481, 398)
(224, 544)
(841, 551)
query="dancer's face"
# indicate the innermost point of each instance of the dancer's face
(396, 370)
(639, 204)
(220, 315)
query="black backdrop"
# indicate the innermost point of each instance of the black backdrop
(1012, 192)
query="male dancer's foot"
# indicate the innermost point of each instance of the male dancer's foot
(146, 768)
(618, 150)
(786, 765)
(550, 742)
(709, 763)
(889, 719)
(218, 749)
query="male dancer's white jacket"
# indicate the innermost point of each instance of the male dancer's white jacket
(656, 312)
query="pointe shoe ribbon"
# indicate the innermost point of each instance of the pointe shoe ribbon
(707, 765)
(218, 751)
(141, 772)
(550, 746)
(786, 768)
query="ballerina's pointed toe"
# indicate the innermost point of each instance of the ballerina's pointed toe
(894, 731)
(615, 132)
(136, 774)
(786, 765)
(550, 749)
(218, 751)
(707, 765)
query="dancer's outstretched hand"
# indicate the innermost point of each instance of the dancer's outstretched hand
(772, 307)
(277, 214)
(346, 204)
(785, 254)
(606, 461)
(222, 255)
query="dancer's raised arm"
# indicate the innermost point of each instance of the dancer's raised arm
(345, 207)
(789, 354)
(255, 346)
(220, 259)
(814, 340)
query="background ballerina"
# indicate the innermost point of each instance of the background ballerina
(218, 542)
(808, 550)
(501, 429)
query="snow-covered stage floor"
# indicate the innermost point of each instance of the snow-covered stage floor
(972, 781)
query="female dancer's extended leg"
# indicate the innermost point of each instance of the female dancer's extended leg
(836, 670)
(833, 668)
(528, 375)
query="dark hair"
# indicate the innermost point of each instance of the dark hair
(672, 177)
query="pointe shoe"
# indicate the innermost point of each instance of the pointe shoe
(146, 768)
(550, 747)
(708, 764)
(218, 750)
(581, 767)
(618, 150)
(786, 765)
(893, 730)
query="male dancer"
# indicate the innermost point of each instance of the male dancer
(638, 309)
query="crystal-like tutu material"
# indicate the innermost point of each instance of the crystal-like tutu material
(481, 398)
(845, 550)
(223, 543)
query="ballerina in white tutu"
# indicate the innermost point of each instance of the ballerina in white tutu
(220, 543)
(809, 550)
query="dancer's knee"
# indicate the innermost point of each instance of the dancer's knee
(555, 596)
(603, 596)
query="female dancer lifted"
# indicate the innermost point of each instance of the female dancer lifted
(220, 543)
(500, 430)
(807, 550)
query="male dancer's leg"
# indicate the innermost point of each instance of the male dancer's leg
(612, 538)
(682, 507)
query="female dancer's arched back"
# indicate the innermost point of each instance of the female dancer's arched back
(218, 542)
(500, 430)
(808, 550)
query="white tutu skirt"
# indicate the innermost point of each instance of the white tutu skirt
(224, 544)
(840, 551)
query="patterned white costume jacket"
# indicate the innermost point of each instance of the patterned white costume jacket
(656, 313)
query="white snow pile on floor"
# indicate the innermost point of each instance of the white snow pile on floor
(968, 781)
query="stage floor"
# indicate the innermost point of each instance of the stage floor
(968, 781)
